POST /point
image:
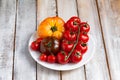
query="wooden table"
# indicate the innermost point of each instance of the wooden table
(20, 18)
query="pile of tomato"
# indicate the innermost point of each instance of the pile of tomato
(61, 42)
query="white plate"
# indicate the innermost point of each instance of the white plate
(86, 57)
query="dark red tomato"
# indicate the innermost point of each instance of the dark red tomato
(83, 37)
(71, 36)
(35, 46)
(61, 57)
(51, 59)
(43, 57)
(84, 27)
(76, 56)
(39, 40)
(73, 24)
(82, 47)
(67, 45)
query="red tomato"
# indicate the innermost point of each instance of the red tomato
(35, 46)
(76, 56)
(43, 57)
(73, 24)
(61, 57)
(51, 59)
(70, 36)
(84, 27)
(39, 40)
(83, 37)
(67, 46)
(82, 47)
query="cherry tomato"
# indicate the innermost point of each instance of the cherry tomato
(83, 37)
(39, 40)
(73, 24)
(61, 57)
(67, 45)
(43, 57)
(34, 46)
(82, 47)
(84, 27)
(71, 36)
(76, 56)
(51, 59)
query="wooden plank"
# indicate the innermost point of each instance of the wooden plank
(67, 9)
(97, 68)
(46, 8)
(7, 26)
(109, 11)
(24, 65)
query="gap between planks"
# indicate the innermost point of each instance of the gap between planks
(60, 72)
(14, 39)
(99, 17)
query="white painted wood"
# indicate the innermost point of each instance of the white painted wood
(67, 9)
(24, 65)
(7, 26)
(46, 8)
(110, 20)
(97, 68)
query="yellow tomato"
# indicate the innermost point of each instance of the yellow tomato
(51, 26)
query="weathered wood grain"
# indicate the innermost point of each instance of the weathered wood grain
(24, 65)
(67, 9)
(7, 26)
(46, 8)
(97, 68)
(109, 11)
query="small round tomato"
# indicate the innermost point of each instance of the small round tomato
(73, 24)
(83, 37)
(71, 36)
(67, 45)
(61, 57)
(43, 57)
(82, 47)
(76, 56)
(84, 27)
(39, 40)
(51, 59)
(35, 46)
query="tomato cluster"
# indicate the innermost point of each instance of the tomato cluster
(72, 46)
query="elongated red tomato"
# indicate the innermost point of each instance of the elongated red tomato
(84, 27)
(71, 36)
(82, 47)
(83, 37)
(73, 24)
(67, 46)
(61, 57)
(76, 56)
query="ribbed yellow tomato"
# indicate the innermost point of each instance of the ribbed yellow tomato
(51, 26)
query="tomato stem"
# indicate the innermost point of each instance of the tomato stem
(84, 44)
(54, 28)
(75, 23)
(49, 44)
(74, 44)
